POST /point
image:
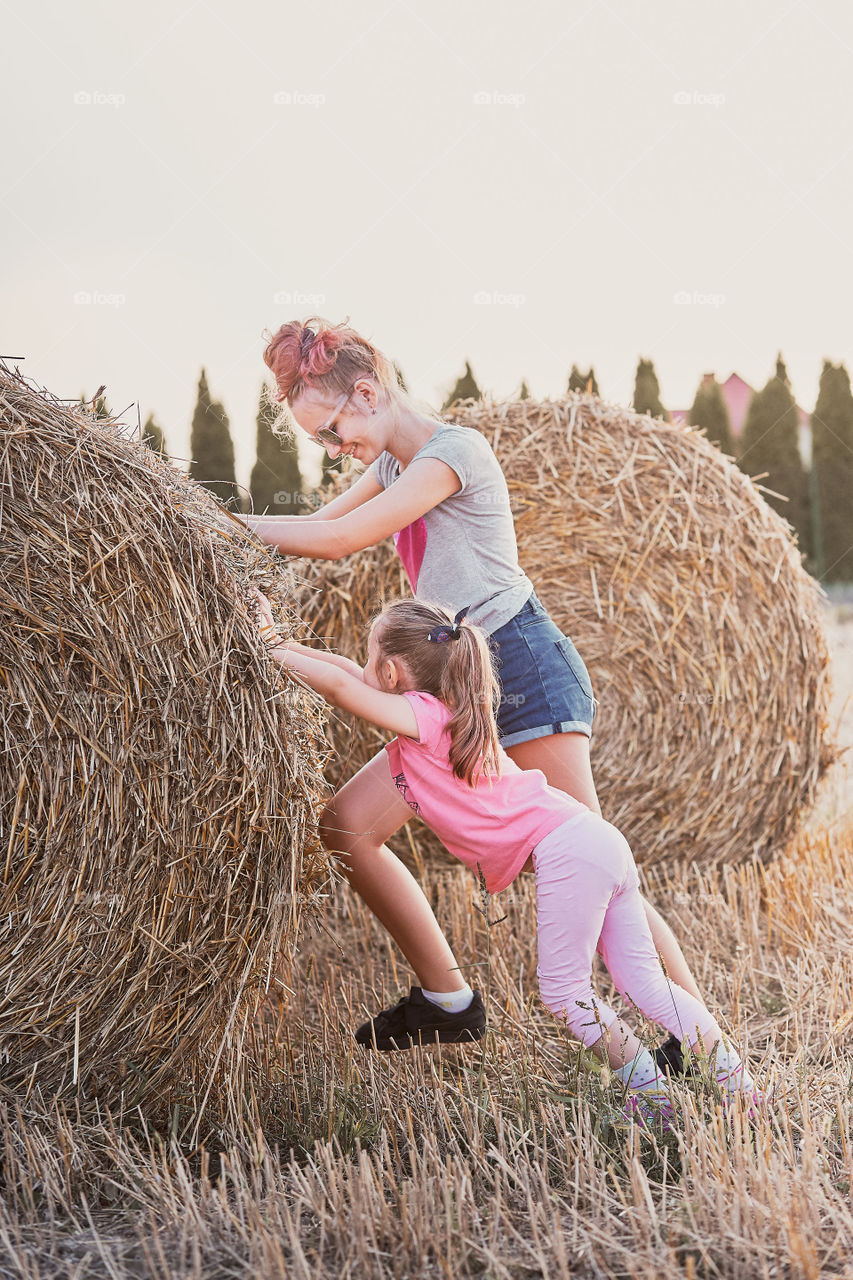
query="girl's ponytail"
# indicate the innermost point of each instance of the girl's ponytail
(469, 686)
(452, 661)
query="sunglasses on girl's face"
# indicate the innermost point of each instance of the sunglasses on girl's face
(324, 434)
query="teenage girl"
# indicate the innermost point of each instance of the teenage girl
(429, 679)
(439, 490)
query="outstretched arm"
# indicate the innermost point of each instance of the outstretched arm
(362, 490)
(333, 659)
(423, 485)
(350, 693)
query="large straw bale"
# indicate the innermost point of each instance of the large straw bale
(686, 596)
(160, 777)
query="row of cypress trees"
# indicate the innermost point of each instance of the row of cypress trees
(276, 482)
(818, 502)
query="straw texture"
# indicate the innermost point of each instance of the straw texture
(685, 595)
(160, 777)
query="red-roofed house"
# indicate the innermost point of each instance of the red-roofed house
(737, 395)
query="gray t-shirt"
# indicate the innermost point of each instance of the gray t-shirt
(463, 552)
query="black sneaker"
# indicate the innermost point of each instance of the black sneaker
(670, 1057)
(414, 1020)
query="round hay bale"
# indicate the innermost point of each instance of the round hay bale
(159, 779)
(685, 595)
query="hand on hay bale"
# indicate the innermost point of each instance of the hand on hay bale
(261, 609)
(687, 599)
(159, 783)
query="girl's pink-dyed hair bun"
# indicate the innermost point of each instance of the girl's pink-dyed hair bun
(327, 357)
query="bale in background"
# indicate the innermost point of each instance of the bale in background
(159, 779)
(686, 597)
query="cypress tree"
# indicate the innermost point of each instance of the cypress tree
(583, 381)
(466, 389)
(153, 436)
(832, 469)
(524, 393)
(647, 391)
(709, 412)
(211, 447)
(770, 443)
(276, 481)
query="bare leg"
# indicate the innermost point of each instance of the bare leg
(355, 826)
(564, 759)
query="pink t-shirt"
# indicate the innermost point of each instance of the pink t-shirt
(499, 822)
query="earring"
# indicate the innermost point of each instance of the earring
(372, 410)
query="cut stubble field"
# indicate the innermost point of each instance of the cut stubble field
(509, 1159)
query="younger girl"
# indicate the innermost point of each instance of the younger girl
(429, 678)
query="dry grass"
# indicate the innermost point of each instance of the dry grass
(686, 597)
(504, 1162)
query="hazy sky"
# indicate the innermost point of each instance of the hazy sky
(521, 185)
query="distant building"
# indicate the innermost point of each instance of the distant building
(737, 395)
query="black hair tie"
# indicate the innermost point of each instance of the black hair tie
(444, 632)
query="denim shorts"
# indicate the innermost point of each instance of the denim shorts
(545, 687)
